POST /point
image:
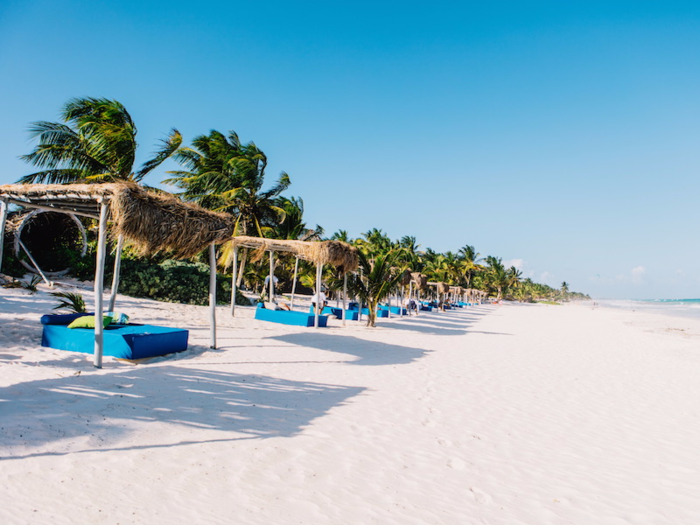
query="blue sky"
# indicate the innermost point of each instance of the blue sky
(560, 136)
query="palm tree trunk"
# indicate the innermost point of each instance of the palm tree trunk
(372, 311)
(241, 268)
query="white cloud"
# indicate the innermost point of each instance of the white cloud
(637, 274)
(518, 263)
(638, 271)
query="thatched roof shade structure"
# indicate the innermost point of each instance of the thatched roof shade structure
(337, 253)
(420, 280)
(441, 287)
(341, 255)
(150, 221)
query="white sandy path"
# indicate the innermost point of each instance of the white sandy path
(496, 415)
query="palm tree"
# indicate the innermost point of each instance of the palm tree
(469, 263)
(514, 276)
(96, 143)
(379, 278)
(564, 290)
(497, 276)
(341, 235)
(293, 226)
(224, 175)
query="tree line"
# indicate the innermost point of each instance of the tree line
(95, 142)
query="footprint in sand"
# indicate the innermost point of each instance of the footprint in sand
(480, 496)
(457, 464)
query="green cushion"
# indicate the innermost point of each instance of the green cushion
(88, 321)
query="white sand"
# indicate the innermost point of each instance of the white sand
(513, 414)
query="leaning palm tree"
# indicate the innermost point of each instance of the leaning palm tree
(96, 142)
(225, 175)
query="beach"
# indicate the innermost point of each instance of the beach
(496, 414)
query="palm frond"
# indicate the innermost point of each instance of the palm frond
(168, 147)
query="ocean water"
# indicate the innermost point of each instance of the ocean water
(674, 307)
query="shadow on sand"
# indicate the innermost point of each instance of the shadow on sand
(367, 352)
(44, 412)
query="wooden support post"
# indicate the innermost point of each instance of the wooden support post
(294, 282)
(212, 294)
(319, 305)
(99, 284)
(115, 277)
(233, 281)
(271, 293)
(3, 219)
(34, 263)
(359, 300)
(345, 293)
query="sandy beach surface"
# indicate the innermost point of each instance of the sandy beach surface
(510, 414)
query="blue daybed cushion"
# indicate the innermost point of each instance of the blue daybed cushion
(64, 319)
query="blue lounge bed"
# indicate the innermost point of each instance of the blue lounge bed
(350, 315)
(380, 312)
(289, 317)
(394, 309)
(132, 341)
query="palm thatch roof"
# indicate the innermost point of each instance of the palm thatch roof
(339, 254)
(154, 222)
(441, 287)
(151, 221)
(405, 278)
(420, 280)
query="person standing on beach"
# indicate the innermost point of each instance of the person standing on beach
(320, 300)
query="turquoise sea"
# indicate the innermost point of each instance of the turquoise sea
(674, 307)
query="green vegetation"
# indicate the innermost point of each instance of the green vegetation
(73, 302)
(174, 282)
(96, 143)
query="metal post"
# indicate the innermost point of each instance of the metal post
(3, 218)
(233, 281)
(212, 294)
(99, 284)
(115, 277)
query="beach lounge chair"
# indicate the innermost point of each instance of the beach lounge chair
(350, 315)
(131, 341)
(396, 310)
(365, 311)
(289, 317)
